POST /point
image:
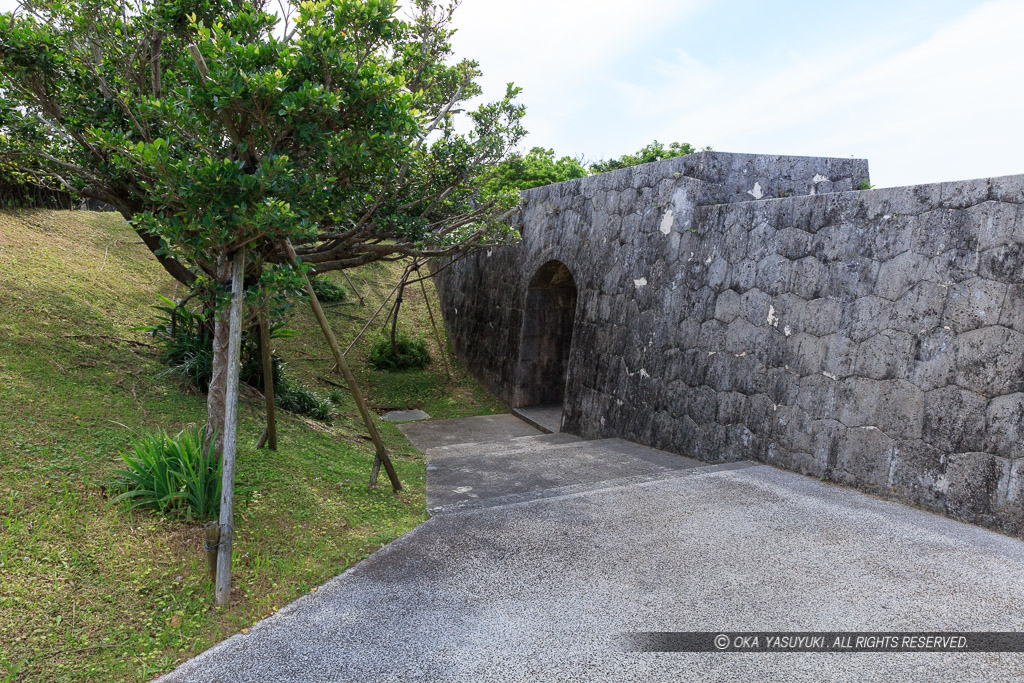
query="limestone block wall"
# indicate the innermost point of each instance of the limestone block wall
(747, 307)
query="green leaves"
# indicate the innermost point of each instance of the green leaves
(655, 151)
(213, 124)
(172, 474)
(536, 168)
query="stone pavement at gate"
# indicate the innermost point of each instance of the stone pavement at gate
(544, 549)
(547, 419)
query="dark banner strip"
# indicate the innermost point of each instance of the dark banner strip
(839, 641)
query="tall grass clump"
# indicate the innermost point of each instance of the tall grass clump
(176, 475)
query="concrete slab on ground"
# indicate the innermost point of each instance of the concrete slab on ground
(488, 474)
(404, 416)
(545, 418)
(543, 590)
(433, 433)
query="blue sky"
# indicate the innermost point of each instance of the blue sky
(927, 91)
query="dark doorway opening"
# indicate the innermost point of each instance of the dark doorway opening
(546, 337)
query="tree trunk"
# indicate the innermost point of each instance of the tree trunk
(394, 319)
(268, 382)
(398, 305)
(437, 335)
(218, 380)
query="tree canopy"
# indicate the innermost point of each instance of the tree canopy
(213, 125)
(533, 169)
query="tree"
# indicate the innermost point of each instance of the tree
(217, 125)
(655, 151)
(20, 186)
(224, 132)
(535, 168)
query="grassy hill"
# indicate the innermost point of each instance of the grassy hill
(90, 590)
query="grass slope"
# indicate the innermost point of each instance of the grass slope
(92, 591)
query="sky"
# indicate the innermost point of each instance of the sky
(926, 90)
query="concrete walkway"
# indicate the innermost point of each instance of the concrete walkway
(543, 550)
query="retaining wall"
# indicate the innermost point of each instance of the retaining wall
(750, 307)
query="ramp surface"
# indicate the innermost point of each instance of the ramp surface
(542, 588)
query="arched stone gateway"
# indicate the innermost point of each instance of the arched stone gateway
(549, 314)
(744, 307)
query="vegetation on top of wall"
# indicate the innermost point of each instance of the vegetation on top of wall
(540, 167)
(535, 168)
(655, 151)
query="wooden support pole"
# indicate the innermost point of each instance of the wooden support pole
(262, 441)
(222, 593)
(359, 295)
(398, 301)
(339, 358)
(268, 382)
(369, 323)
(437, 335)
(394, 313)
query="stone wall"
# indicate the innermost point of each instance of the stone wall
(748, 307)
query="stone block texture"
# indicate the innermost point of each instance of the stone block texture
(736, 306)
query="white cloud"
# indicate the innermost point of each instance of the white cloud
(559, 36)
(557, 51)
(947, 108)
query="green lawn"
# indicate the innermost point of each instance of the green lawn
(93, 591)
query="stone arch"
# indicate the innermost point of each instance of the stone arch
(549, 316)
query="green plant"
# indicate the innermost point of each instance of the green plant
(302, 400)
(655, 151)
(407, 353)
(335, 396)
(185, 338)
(214, 126)
(865, 185)
(328, 292)
(179, 474)
(538, 167)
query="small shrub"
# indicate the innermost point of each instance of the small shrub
(185, 338)
(302, 400)
(177, 475)
(327, 291)
(410, 353)
(335, 396)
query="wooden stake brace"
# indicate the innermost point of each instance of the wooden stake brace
(437, 335)
(222, 593)
(212, 534)
(339, 358)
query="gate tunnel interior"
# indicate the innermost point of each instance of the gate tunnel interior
(548, 319)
